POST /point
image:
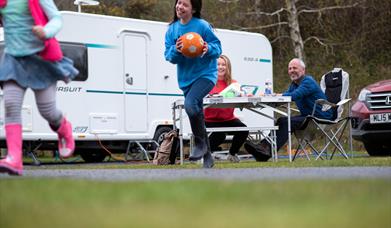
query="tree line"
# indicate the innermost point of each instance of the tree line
(351, 34)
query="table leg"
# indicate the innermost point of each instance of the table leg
(274, 145)
(181, 134)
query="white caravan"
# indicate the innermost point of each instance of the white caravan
(125, 87)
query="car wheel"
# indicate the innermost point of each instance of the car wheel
(377, 150)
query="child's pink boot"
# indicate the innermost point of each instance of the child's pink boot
(66, 144)
(13, 163)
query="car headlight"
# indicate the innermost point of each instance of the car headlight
(363, 94)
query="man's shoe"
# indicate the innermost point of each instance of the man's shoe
(260, 153)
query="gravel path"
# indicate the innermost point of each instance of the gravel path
(243, 174)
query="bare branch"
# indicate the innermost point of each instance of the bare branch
(320, 42)
(279, 38)
(228, 1)
(315, 38)
(277, 12)
(327, 8)
(264, 26)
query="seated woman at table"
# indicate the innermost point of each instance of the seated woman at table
(224, 117)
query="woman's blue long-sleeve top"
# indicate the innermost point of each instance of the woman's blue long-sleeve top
(191, 69)
(305, 94)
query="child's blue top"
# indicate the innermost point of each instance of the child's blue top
(18, 23)
(305, 94)
(191, 69)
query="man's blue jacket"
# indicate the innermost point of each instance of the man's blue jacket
(305, 94)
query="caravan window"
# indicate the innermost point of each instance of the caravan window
(76, 52)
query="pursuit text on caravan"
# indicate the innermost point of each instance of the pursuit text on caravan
(69, 89)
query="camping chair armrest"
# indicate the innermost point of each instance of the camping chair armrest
(295, 110)
(326, 105)
(344, 101)
(325, 102)
(292, 109)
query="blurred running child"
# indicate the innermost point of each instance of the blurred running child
(31, 60)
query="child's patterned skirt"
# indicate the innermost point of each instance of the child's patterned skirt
(34, 72)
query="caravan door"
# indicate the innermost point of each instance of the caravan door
(135, 81)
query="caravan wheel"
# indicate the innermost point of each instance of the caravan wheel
(160, 132)
(91, 156)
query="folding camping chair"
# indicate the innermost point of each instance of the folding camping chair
(335, 85)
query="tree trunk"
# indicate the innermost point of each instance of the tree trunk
(294, 27)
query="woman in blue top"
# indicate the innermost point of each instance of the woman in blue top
(196, 76)
(22, 67)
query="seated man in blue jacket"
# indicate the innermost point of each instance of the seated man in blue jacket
(304, 90)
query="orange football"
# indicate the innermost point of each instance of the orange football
(192, 44)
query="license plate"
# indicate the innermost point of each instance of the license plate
(380, 118)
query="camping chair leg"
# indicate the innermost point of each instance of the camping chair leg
(342, 151)
(340, 147)
(305, 152)
(301, 149)
(322, 152)
(337, 145)
(326, 146)
(315, 151)
(297, 149)
(334, 141)
(326, 154)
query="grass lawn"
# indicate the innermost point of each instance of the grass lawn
(284, 162)
(195, 203)
(42, 202)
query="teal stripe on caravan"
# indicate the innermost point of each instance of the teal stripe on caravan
(166, 94)
(114, 92)
(265, 60)
(100, 46)
(134, 93)
(103, 91)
